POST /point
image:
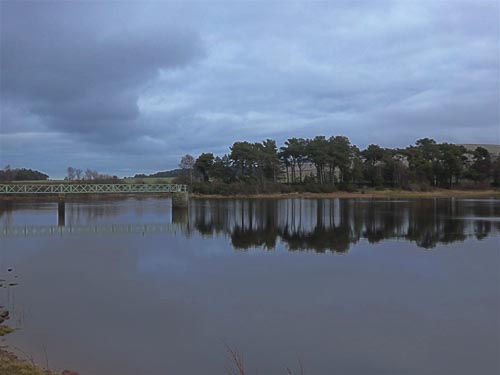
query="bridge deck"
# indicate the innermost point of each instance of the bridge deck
(90, 188)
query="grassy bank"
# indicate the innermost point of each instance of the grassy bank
(366, 194)
(389, 194)
(126, 180)
(148, 180)
(11, 364)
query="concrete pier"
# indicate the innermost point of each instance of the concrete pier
(61, 213)
(180, 215)
(180, 200)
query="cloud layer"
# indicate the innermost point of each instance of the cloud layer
(129, 87)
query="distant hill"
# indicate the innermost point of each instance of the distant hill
(21, 174)
(171, 173)
(492, 149)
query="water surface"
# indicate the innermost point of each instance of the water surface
(345, 286)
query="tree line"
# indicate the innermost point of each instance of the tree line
(325, 164)
(88, 175)
(8, 174)
(171, 173)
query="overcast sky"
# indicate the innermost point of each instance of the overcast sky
(127, 87)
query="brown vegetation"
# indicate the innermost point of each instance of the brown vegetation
(367, 194)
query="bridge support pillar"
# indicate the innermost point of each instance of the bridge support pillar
(61, 213)
(179, 215)
(180, 200)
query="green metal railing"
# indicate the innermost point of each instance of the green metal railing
(54, 230)
(90, 188)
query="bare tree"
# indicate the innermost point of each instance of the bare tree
(187, 163)
(91, 175)
(70, 174)
(8, 173)
(78, 174)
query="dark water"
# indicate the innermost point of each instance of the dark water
(345, 286)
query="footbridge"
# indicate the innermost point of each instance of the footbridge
(91, 188)
(179, 192)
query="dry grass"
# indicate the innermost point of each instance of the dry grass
(237, 365)
(5, 330)
(10, 364)
(368, 194)
(301, 369)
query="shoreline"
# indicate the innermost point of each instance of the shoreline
(11, 363)
(368, 194)
(371, 194)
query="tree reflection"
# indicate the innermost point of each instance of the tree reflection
(334, 225)
(319, 225)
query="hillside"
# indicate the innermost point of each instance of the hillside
(492, 149)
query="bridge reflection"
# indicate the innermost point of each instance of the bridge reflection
(319, 225)
(57, 230)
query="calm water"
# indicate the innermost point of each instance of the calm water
(347, 286)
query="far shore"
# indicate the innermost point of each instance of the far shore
(367, 194)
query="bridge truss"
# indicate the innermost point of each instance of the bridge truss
(91, 188)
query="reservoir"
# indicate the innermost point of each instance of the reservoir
(336, 286)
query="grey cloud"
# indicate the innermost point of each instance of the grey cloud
(81, 76)
(157, 80)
